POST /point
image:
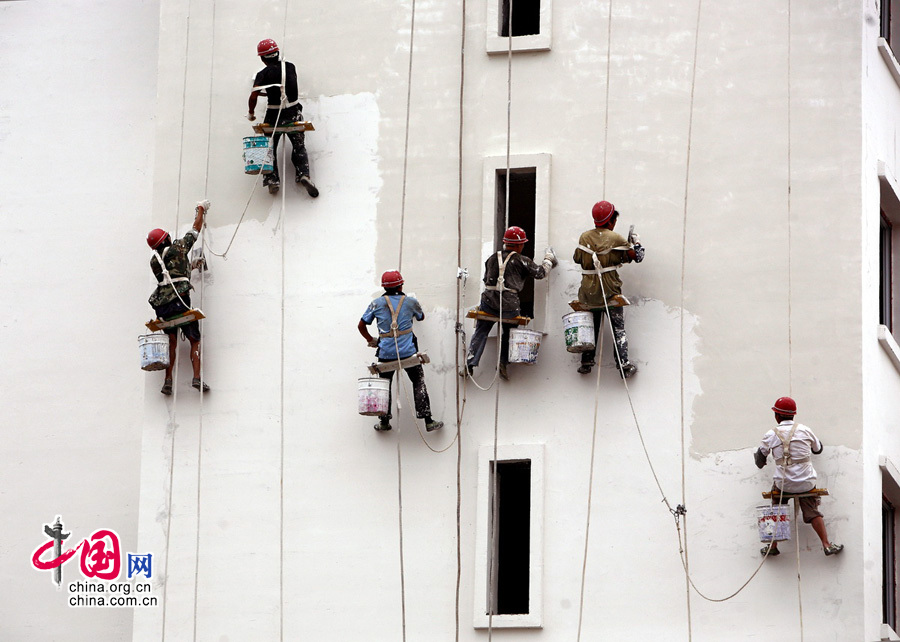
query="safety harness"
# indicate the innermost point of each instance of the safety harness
(597, 270)
(167, 278)
(394, 314)
(501, 287)
(786, 460)
(284, 103)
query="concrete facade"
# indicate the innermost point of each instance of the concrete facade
(749, 143)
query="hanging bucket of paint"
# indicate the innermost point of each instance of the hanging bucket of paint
(257, 155)
(154, 351)
(578, 328)
(374, 396)
(774, 522)
(523, 346)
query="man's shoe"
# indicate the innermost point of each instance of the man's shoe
(383, 425)
(196, 383)
(628, 370)
(167, 387)
(431, 426)
(585, 368)
(765, 549)
(311, 189)
(833, 549)
(503, 373)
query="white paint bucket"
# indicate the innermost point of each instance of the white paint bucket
(154, 351)
(257, 155)
(774, 522)
(578, 328)
(374, 396)
(523, 346)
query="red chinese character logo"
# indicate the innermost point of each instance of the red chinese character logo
(96, 560)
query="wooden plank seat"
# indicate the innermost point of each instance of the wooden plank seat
(618, 301)
(194, 314)
(296, 126)
(815, 492)
(417, 359)
(476, 313)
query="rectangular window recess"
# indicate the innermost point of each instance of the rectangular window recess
(529, 208)
(888, 259)
(885, 272)
(531, 25)
(890, 490)
(509, 537)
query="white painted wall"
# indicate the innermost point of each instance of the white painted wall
(272, 506)
(77, 110)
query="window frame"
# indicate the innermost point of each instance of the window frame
(541, 164)
(497, 44)
(889, 203)
(534, 617)
(890, 491)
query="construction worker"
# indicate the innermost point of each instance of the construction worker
(278, 81)
(172, 298)
(791, 445)
(394, 313)
(600, 252)
(505, 273)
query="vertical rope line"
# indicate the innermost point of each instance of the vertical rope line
(789, 229)
(587, 526)
(212, 66)
(281, 388)
(459, 321)
(797, 541)
(412, 32)
(400, 526)
(174, 413)
(606, 111)
(687, 176)
(495, 505)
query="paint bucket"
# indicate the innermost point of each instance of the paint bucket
(374, 396)
(578, 328)
(257, 155)
(774, 522)
(154, 351)
(523, 346)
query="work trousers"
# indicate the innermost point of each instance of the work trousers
(479, 338)
(416, 376)
(617, 320)
(299, 157)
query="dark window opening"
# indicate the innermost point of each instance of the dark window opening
(510, 538)
(526, 17)
(890, 13)
(522, 194)
(888, 565)
(885, 269)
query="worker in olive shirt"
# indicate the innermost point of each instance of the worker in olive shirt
(172, 297)
(505, 273)
(599, 285)
(281, 110)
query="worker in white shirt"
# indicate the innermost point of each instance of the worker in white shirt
(791, 445)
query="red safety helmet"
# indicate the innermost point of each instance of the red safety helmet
(785, 406)
(602, 212)
(156, 237)
(515, 235)
(266, 47)
(391, 279)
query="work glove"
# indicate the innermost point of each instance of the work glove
(204, 204)
(251, 116)
(373, 343)
(759, 458)
(550, 261)
(635, 239)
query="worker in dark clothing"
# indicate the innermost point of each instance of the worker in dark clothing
(172, 268)
(505, 274)
(394, 313)
(600, 252)
(278, 81)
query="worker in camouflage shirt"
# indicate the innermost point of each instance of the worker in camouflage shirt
(171, 266)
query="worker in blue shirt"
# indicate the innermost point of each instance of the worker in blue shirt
(394, 313)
